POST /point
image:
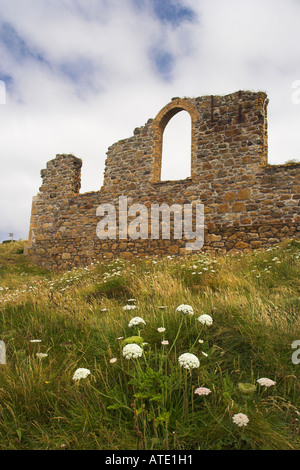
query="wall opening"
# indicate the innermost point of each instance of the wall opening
(176, 148)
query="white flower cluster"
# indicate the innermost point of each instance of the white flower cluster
(205, 319)
(81, 373)
(161, 329)
(186, 309)
(129, 307)
(240, 419)
(132, 351)
(202, 391)
(41, 355)
(266, 382)
(136, 321)
(188, 361)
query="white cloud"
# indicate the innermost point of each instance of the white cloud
(84, 76)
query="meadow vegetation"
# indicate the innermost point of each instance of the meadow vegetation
(241, 321)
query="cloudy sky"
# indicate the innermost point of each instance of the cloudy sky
(80, 75)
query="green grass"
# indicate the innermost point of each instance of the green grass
(149, 402)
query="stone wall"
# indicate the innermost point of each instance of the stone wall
(248, 203)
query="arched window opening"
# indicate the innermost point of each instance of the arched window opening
(176, 148)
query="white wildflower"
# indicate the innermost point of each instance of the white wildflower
(41, 355)
(35, 340)
(204, 354)
(129, 307)
(161, 329)
(136, 321)
(188, 361)
(165, 342)
(113, 360)
(132, 351)
(240, 419)
(202, 391)
(81, 373)
(205, 319)
(266, 382)
(186, 309)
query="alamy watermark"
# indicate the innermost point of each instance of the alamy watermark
(2, 352)
(296, 93)
(2, 92)
(137, 221)
(296, 354)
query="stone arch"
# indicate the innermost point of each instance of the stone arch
(159, 124)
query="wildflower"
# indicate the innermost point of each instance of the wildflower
(161, 329)
(266, 382)
(81, 373)
(200, 341)
(119, 338)
(188, 361)
(129, 307)
(41, 355)
(35, 340)
(204, 354)
(202, 391)
(165, 342)
(136, 321)
(186, 309)
(240, 419)
(113, 360)
(132, 351)
(205, 319)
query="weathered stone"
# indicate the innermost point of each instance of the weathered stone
(241, 245)
(213, 238)
(223, 208)
(244, 194)
(238, 207)
(255, 243)
(230, 196)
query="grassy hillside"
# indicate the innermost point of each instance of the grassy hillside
(54, 324)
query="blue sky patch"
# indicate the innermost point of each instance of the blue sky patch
(163, 62)
(168, 11)
(16, 44)
(7, 79)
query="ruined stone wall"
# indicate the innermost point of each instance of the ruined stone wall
(248, 203)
